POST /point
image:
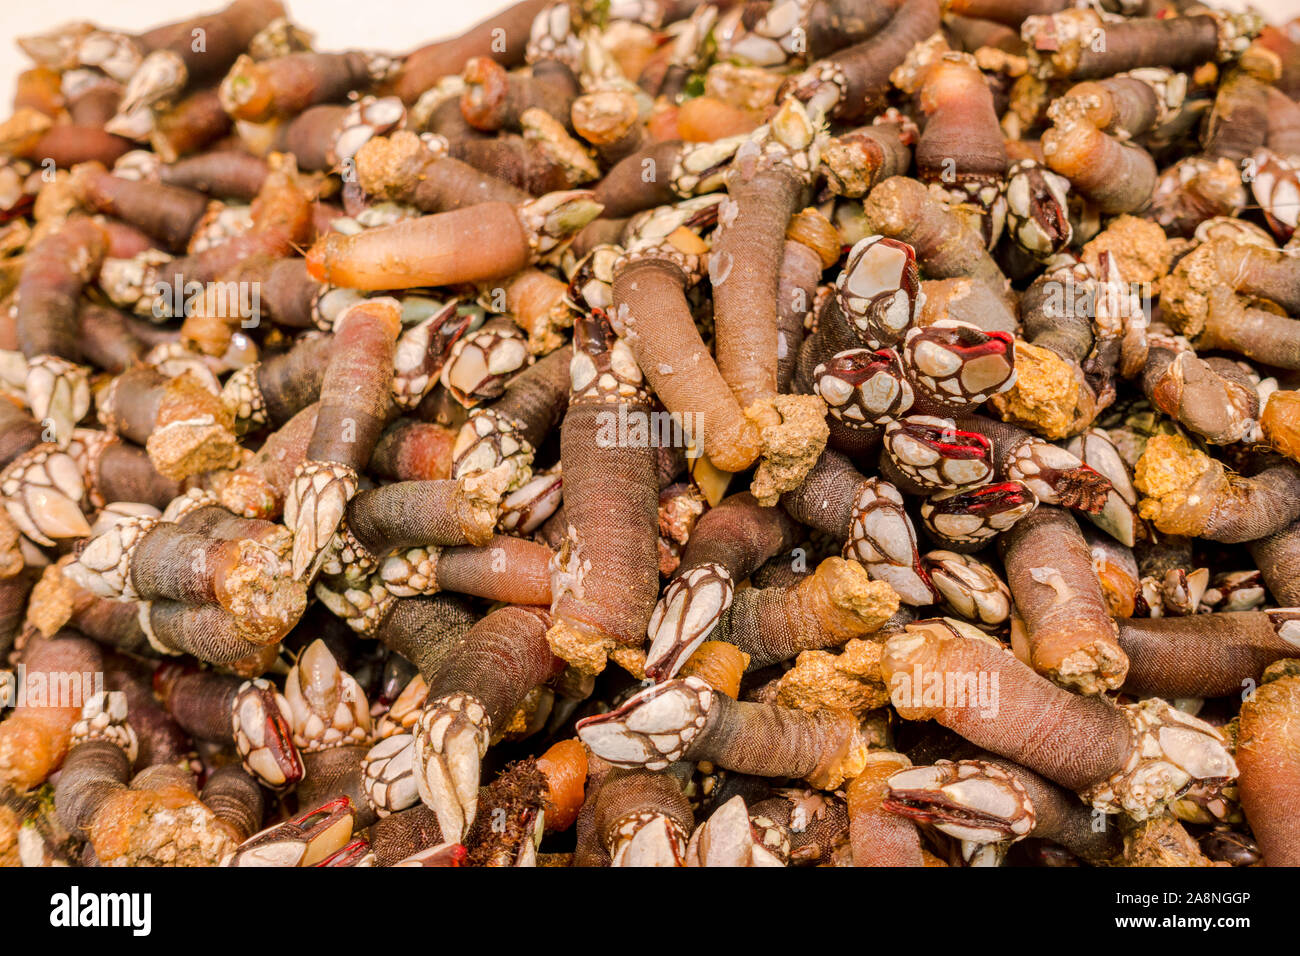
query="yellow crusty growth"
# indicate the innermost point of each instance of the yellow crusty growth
(1137, 246)
(1174, 474)
(1048, 397)
(791, 446)
(848, 681)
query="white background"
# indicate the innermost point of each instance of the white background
(387, 25)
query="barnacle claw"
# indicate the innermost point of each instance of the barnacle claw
(686, 614)
(303, 841)
(405, 710)
(959, 365)
(451, 738)
(1037, 210)
(242, 396)
(653, 728)
(969, 586)
(862, 388)
(883, 541)
(327, 707)
(103, 717)
(58, 393)
(313, 510)
(422, 351)
(701, 167)
(931, 453)
(879, 290)
(525, 509)
(356, 852)
(361, 608)
(444, 854)
(388, 774)
(1286, 623)
(488, 440)
(1057, 477)
(259, 718)
(728, 838)
(42, 490)
(647, 838)
(479, 365)
(967, 517)
(1169, 751)
(552, 219)
(1118, 516)
(970, 800)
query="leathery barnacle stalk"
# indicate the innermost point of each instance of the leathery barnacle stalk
(35, 737)
(1134, 758)
(489, 240)
(354, 407)
(961, 149)
(605, 577)
(1266, 753)
(685, 719)
(765, 187)
(1066, 621)
(1211, 296)
(1187, 492)
(650, 304)
(144, 559)
(834, 604)
(49, 289)
(503, 657)
(154, 819)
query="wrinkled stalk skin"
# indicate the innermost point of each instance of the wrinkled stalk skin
(424, 630)
(503, 657)
(1278, 558)
(1268, 754)
(1204, 655)
(879, 837)
(606, 577)
(479, 242)
(725, 342)
(945, 248)
(226, 34)
(1038, 724)
(354, 396)
(52, 279)
(425, 66)
(772, 741)
(676, 363)
(745, 301)
(1071, 636)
